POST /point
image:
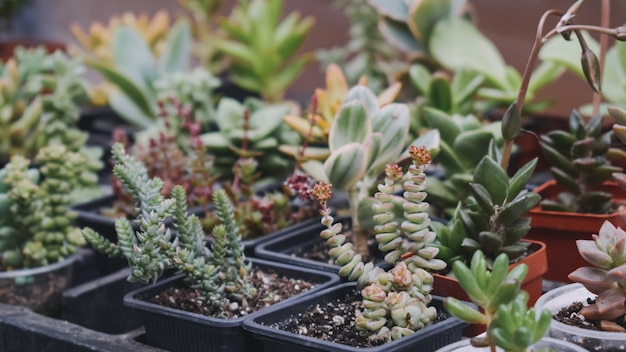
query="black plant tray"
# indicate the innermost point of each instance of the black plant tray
(177, 330)
(98, 304)
(428, 339)
(22, 330)
(285, 248)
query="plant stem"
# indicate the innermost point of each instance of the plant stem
(359, 235)
(604, 43)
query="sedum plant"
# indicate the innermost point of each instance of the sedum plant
(263, 48)
(395, 302)
(606, 277)
(503, 305)
(36, 224)
(220, 273)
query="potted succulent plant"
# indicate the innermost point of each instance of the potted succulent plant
(578, 199)
(38, 241)
(590, 311)
(394, 312)
(40, 105)
(223, 284)
(510, 325)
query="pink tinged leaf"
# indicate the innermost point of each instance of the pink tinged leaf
(590, 252)
(611, 303)
(591, 312)
(618, 274)
(594, 279)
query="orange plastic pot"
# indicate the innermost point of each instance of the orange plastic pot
(537, 262)
(560, 230)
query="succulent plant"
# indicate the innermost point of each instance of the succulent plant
(203, 18)
(134, 70)
(503, 305)
(39, 102)
(315, 128)
(262, 48)
(358, 151)
(395, 302)
(459, 144)
(579, 162)
(366, 54)
(492, 217)
(606, 277)
(440, 34)
(36, 224)
(220, 272)
(250, 129)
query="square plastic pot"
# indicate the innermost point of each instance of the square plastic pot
(284, 248)
(181, 331)
(276, 340)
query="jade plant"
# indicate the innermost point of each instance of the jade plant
(606, 277)
(395, 302)
(220, 272)
(262, 48)
(510, 324)
(441, 35)
(36, 224)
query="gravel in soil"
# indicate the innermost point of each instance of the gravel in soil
(271, 288)
(333, 321)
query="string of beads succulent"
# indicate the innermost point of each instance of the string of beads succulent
(220, 272)
(395, 303)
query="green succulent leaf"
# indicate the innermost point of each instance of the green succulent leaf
(425, 14)
(490, 175)
(346, 166)
(395, 9)
(471, 146)
(440, 93)
(351, 125)
(463, 311)
(518, 207)
(482, 197)
(176, 56)
(520, 179)
(398, 35)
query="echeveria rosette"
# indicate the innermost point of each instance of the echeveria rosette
(607, 275)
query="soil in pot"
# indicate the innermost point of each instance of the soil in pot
(570, 315)
(271, 288)
(333, 322)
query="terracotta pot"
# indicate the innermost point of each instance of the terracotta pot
(537, 263)
(7, 47)
(560, 230)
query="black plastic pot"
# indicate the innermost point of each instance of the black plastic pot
(285, 248)
(177, 330)
(273, 339)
